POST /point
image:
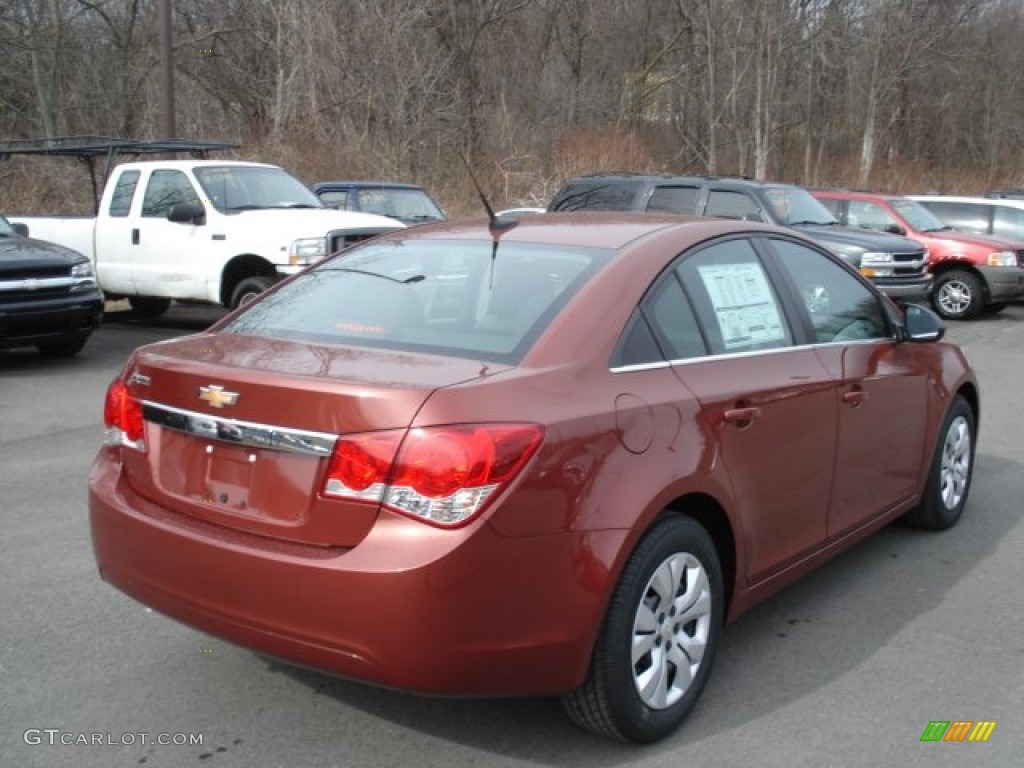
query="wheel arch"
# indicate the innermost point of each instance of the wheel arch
(240, 267)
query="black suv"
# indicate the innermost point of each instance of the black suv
(48, 294)
(898, 266)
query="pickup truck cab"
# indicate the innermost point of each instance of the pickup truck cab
(897, 265)
(974, 273)
(48, 294)
(204, 230)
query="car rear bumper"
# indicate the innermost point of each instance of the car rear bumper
(49, 320)
(465, 612)
(1003, 283)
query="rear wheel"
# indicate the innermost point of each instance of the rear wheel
(148, 306)
(248, 289)
(958, 295)
(949, 479)
(656, 646)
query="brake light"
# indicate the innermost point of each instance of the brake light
(122, 417)
(441, 475)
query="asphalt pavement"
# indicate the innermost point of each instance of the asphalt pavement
(846, 668)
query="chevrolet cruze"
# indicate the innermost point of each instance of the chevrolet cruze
(551, 456)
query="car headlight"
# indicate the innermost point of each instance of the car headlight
(83, 275)
(307, 250)
(1002, 259)
(876, 264)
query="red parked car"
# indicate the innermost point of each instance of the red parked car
(545, 457)
(973, 273)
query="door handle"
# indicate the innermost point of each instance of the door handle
(741, 417)
(135, 236)
(855, 397)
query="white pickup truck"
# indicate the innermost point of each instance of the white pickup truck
(203, 230)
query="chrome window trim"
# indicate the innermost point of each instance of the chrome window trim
(245, 433)
(750, 353)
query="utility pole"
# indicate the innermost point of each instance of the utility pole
(167, 68)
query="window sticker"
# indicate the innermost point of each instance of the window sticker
(744, 306)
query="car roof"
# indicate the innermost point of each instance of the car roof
(185, 164)
(654, 178)
(365, 184)
(973, 199)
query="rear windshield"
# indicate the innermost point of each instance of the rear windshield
(459, 298)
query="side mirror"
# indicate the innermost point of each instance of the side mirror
(21, 228)
(187, 213)
(920, 324)
(895, 229)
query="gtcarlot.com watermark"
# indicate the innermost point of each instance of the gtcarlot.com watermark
(55, 736)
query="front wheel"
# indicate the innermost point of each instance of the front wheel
(248, 289)
(958, 295)
(654, 653)
(949, 479)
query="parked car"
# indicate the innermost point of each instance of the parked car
(973, 273)
(203, 230)
(898, 266)
(550, 458)
(408, 203)
(48, 294)
(1000, 217)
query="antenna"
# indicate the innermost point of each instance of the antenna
(495, 223)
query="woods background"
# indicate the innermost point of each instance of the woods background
(895, 95)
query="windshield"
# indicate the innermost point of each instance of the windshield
(244, 188)
(918, 217)
(794, 207)
(458, 298)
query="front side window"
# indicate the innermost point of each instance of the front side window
(734, 300)
(455, 298)
(869, 216)
(841, 308)
(164, 190)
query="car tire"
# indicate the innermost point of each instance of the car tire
(637, 688)
(148, 306)
(949, 478)
(958, 295)
(248, 289)
(68, 348)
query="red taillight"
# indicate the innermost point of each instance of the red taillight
(122, 416)
(442, 475)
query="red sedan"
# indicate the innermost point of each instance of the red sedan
(551, 456)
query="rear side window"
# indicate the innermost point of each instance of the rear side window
(596, 196)
(734, 300)
(965, 216)
(124, 191)
(444, 297)
(1008, 222)
(733, 205)
(673, 200)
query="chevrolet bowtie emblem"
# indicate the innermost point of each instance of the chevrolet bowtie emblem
(217, 397)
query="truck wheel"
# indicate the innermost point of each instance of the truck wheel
(68, 348)
(148, 306)
(654, 652)
(949, 480)
(957, 295)
(248, 289)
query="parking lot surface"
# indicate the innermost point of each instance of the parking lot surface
(847, 668)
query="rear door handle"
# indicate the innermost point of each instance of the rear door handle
(742, 417)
